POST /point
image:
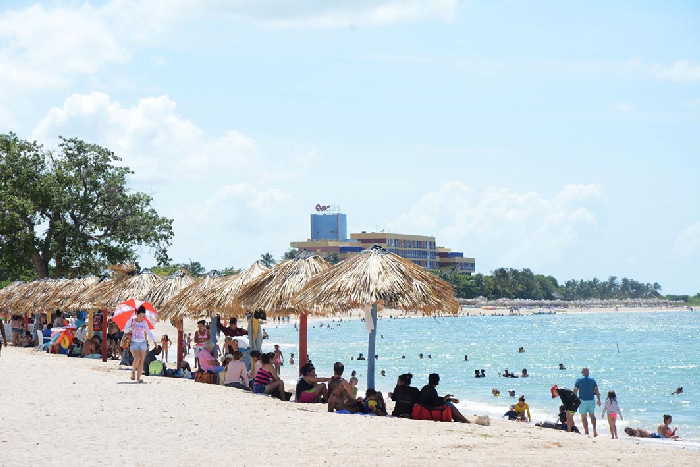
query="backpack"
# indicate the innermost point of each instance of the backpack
(155, 368)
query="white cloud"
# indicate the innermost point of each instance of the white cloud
(503, 226)
(679, 71)
(688, 241)
(156, 141)
(624, 107)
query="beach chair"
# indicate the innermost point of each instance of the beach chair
(39, 340)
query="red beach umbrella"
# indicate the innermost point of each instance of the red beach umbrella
(127, 309)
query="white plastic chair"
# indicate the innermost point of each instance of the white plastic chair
(39, 341)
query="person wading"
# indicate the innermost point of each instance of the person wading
(586, 389)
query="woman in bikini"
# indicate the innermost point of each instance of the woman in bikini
(201, 337)
(165, 344)
(138, 327)
(278, 359)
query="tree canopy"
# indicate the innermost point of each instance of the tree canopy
(69, 212)
(524, 284)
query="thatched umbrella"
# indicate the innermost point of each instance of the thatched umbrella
(221, 298)
(273, 290)
(108, 294)
(376, 277)
(161, 293)
(69, 290)
(8, 292)
(180, 306)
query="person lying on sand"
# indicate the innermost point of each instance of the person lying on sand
(429, 398)
(310, 388)
(639, 433)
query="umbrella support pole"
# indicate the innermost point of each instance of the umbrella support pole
(303, 327)
(180, 344)
(371, 348)
(104, 335)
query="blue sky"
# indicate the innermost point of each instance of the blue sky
(558, 136)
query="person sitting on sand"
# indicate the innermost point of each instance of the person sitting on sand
(236, 372)
(310, 388)
(266, 380)
(665, 430)
(151, 356)
(522, 409)
(430, 400)
(570, 402)
(374, 403)
(511, 413)
(207, 362)
(405, 396)
(340, 392)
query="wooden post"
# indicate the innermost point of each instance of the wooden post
(104, 335)
(303, 355)
(90, 324)
(371, 348)
(49, 320)
(26, 322)
(180, 344)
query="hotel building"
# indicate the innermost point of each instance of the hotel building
(329, 236)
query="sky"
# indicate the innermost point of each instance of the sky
(559, 136)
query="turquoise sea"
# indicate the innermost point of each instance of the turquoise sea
(642, 356)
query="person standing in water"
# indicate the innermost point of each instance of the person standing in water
(586, 389)
(138, 327)
(278, 359)
(613, 409)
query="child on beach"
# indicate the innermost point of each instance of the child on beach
(278, 359)
(165, 344)
(188, 340)
(613, 410)
(291, 360)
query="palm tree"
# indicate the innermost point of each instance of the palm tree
(267, 259)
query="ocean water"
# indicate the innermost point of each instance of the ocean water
(642, 356)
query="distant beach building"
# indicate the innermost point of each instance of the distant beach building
(329, 236)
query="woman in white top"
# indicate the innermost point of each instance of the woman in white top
(613, 410)
(138, 327)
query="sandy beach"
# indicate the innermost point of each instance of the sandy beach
(62, 410)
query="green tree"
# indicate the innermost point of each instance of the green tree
(290, 254)
(70, 212)
(333, 258)
(267, 259)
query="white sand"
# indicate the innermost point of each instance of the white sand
(60, 411)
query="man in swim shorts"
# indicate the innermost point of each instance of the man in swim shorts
(586, 389)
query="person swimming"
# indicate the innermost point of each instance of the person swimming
(483, 373)
(360, 357)
(476, 374)
(383, 373)
(562, 367)
(521, 350)
(679, 390)
(524, 373)
(420, 355)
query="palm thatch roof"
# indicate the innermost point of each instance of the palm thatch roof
(376, 276)
(179, 306)
(69, 290)
(273, 290)
(32, 296)
(109, 294)
(221, 298)
(168, 288)
(10, 291)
